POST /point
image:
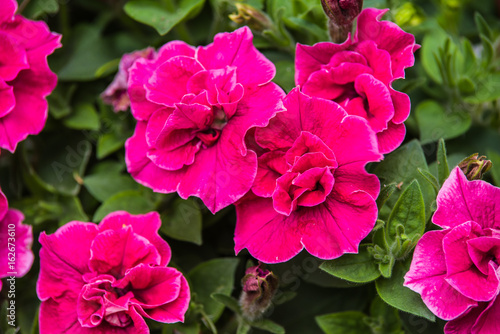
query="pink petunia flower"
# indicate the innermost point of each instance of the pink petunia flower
(15, 242)
(25, 77)
(456, 269)
(116, 93)
(104, 278)
(358, 74)
(311, 188)
(194, 107)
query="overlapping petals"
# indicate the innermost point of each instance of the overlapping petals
(194, 108)
(455, 269)
(311, 188)
(25, 77)
(358, 74)
(16, 239)
(105, 278)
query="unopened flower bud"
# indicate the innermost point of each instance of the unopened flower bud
(341, 14)
(259, 287)
(252, 17)
(475, 166)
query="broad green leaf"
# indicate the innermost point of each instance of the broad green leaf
(385, 319)
(435, 123)
(358, 268)
(131, 201)
(443, 170)
(285, 74)
(71, 210)
(104, 185)
(350, 322)
(408, 212)
(392, 291)
(432, 44)
(38, 8)
(228, 301)
(488, 89)
(268, 325)
(60, 100)
(429, 177)
(84, 117)
(401, 167)
(159, 14)
(494, 157)
(214, 276)
(183, 221)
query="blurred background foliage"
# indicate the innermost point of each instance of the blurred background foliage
(75, 170)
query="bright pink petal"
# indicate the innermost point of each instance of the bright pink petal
(237, 49)
(460, 200)
(146, 225)
(309, 59)
(427, 277)
(64, 259)
(269, 236)
(353, 177)
(13, 58)
(391, 138)
(116, 251)
(271, 166)
(464, 323)
(9, 7)
(488, 321)
(21, 241)
(482, 251)
(58, 316)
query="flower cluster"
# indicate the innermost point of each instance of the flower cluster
(456, 269)
(25, 78)
(358, 74)
(16, 239)
(104, 278)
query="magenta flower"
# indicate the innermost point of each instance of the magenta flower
(116, 93)
(15, 242)
(456, 269)
(194, 107)
(311, 188)
(104, 278)
(25, 77)
(358, 74)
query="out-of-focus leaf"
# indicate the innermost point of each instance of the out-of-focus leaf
(350, 322)
(109, 143)
(268, 325)
(59, 100)
(84, 117)
(384, 319)
(38, 8)
(183, 221)
(104, 185)
(392, 291)
(488, 89)
(71, 210)
(435, 123)
(131, 201)
(285, 74)
(159, 14)
(358, 268)
(495, 169)
(228, 301)
(214, 276)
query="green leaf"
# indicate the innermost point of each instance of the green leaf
(409, 212)
(60, 100)
(385, 319)
(494, 157)
(214, 276)
(435, 123)
(350, 322)
(482, 26)
(285, 70)
(37, 8)
(401, 167)
(488, 51)
(228, 301)
(385, 268)
(268, 325)
(104, 185)
(430, 178)
(358, 268)
(392, 291)
(243, 328)
(385, 192)
(432, 44)
(488, 89)
(109, 143)
(443, 170)
(71, 210)
(183, 221)
(84, 117)
(159, 14)
(131, 201)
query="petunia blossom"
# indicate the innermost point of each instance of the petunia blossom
(456, 269)
(105, 278)
(116, 93)
(358, 74)
(194, 108)
(311, 189)
(25, 77)
(16, 239)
